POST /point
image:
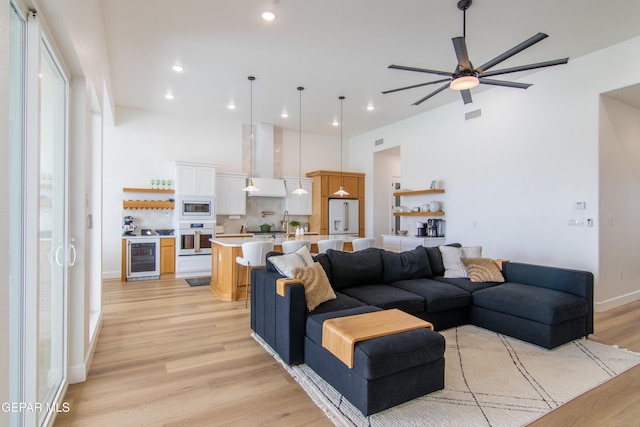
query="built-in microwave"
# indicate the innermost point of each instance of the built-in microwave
(199, 207)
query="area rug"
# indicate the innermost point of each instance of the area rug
(490, 380)
(199, 281)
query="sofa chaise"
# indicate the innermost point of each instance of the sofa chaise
(546, 306)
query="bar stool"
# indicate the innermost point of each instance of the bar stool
(363, 243)
(336, 244)
(289, 246)
(253, 255)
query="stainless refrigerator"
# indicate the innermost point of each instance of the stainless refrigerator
(343, 216)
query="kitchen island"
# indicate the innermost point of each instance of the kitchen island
(224, 251)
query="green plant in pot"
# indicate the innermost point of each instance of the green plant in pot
(294, 223)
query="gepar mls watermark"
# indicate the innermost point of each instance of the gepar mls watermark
(34, 407)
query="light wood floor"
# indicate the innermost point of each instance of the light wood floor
(172, 355)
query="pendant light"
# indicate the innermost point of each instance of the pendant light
(341, 192)
(300, 191)
(251, 188)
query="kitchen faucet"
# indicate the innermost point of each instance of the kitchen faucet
(286, 223)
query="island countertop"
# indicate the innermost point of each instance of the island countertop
(277, 241)
(225, 273)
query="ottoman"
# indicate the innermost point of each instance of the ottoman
(387, 370)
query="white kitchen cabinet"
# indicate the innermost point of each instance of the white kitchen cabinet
(230, 198)
(298, 204)
(195, 179)
(407, 243)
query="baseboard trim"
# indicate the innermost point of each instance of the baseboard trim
(78, 372)
(111, 275)
(616, 302)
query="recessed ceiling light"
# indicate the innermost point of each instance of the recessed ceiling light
(231, 106)
(169, 96)
(178, 68)
(268, 15)
(370, 107)
(284, 115)
(335, 123)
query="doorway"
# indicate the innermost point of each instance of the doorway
(386, 175)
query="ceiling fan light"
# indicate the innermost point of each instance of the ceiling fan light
(464, 83)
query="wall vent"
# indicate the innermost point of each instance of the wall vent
(473, 114)
(379, 142)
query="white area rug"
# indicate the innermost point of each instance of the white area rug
(490, 380)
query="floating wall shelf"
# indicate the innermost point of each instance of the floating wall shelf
(438, 213)
(418, 192)
(147, 204)
(147, 190)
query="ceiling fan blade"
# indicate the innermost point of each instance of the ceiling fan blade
(414, 86)
(466, 96)
(460, 46)
(435, 92)
(420, 70)
(525, 67)
(508, 54)
(516, 85)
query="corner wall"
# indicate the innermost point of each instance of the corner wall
(619, 204)
(513, 175)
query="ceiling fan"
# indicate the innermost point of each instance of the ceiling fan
(465, 76)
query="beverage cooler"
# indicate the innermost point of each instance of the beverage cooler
(143, 258)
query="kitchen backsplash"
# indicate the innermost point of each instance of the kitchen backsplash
(274, 208)
(150, 218)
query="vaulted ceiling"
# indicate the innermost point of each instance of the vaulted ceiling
(332, 48)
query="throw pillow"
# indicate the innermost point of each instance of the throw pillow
(349, 269)
(287, 262)
(435, 258)
(451, 258)
(317, 288)
(405, 265)
(482, 270)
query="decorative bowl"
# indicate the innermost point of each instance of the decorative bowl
(402, 232)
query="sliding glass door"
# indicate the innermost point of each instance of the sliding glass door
(53, 254)
(40, 254)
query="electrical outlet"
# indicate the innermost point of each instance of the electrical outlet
(589, 222)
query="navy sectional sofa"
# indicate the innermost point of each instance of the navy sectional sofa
(546, 306)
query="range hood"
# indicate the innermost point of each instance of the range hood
(269, 186)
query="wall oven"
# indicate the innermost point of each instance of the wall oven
(193, 238)
(143, 258)
(192, 208)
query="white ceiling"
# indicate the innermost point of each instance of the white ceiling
(332, 48)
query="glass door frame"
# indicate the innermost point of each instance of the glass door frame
(43, 413)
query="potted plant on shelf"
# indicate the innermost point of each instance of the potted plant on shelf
(296, 226)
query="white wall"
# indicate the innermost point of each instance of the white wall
(143, 145)
(318, 152)
(619, 203)
(512, 176)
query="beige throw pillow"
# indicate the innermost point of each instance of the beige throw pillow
(451, 259)
(317, 288)
(287, 262)
(482, 270)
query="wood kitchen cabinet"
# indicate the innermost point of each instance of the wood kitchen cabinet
(167, 255)
(325, 183)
